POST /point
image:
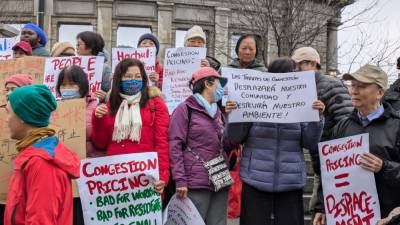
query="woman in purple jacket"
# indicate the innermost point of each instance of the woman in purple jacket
(196, 137)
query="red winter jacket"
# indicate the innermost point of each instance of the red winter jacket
(160, 71)
(154, 133)
(40, 190)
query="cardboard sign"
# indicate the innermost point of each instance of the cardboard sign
(30, 65)
(179, 66)
(6, 45)
(146, 55)
(92, 65)
(119, 190)
(350, 194)
(69, 121)
(181, 212)
(271, 97)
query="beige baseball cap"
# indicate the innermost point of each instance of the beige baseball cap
(306, 54)
(369, 74)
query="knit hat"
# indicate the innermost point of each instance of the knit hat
(24, 46)
(40, 33)
(204, 72)
(33, 104)
(20, 80)
(195, 32)
(150, 37)
(59, 48)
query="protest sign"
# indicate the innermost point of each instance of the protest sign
(30, 65)
(146, 55)
(6, 45)
(181, 212)
(119, 190)
(179, 66)
(69, 122)
(92, 65)
(350, 194)
(271, 97)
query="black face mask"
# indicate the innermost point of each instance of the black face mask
(66, 54)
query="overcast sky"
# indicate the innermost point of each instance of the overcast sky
(378, 26)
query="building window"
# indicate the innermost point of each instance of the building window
(234, 40)
(68, 32)
(129, 36)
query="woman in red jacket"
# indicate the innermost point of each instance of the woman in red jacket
(135, 119)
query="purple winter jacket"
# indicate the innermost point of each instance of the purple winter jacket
(205, 135)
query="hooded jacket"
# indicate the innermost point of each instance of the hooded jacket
(40, 190)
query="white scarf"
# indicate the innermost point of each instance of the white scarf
(128, 121)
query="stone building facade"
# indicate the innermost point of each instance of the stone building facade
(164, 18)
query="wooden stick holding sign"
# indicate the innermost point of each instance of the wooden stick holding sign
(350, 194)
(271, 97)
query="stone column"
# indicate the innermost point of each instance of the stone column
(332, 45)
(164, 34)
(104, 21)
(222, 34)
(47, 25)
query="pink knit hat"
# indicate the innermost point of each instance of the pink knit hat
(204, 72)
(19, 80)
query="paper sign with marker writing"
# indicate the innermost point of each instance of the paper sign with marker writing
(181, 212)
(92, 65)
(271, 97)
(6, 45)
(119, 190)
(350, 194)
(146, 55)
(179, 66)
(69, 122)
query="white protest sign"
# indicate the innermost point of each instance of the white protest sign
(6, 45)
(271, 97)
(181, 212)
(179, 66)
(118, 190)
(146, 55)
(350, 194)
(92, 65)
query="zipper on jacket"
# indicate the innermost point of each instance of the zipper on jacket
(13, 214)
(276, 173)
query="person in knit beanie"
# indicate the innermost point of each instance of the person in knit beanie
(147, 41)
(196, 38)
(17, 80)
(35, 36)
(62, 49)
(40, 189)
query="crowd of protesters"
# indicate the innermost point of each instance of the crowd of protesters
(272, 168)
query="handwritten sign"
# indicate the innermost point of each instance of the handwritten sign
(118, 190)
(146, 55)
(92, 65)
(181, 212)
(179, 66)
(350, 194)
(271, 97)
(31, 65)
(6, 45)
(69, 121)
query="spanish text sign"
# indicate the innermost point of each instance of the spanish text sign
(179, 66)
(350, 194)
(271, 97)
(118, 190)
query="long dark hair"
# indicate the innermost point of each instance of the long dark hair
(282, 65)
(77, 75)
(120, 70)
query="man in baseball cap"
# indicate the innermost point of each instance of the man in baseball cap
(22, 49)
(307, 58)
(369, 74)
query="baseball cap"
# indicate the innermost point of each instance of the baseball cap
(204, 72)
(306, 54)
(369, 74)
(25, 46)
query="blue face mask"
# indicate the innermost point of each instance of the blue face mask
(70, 93)
(219, 93)
(131, 87)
